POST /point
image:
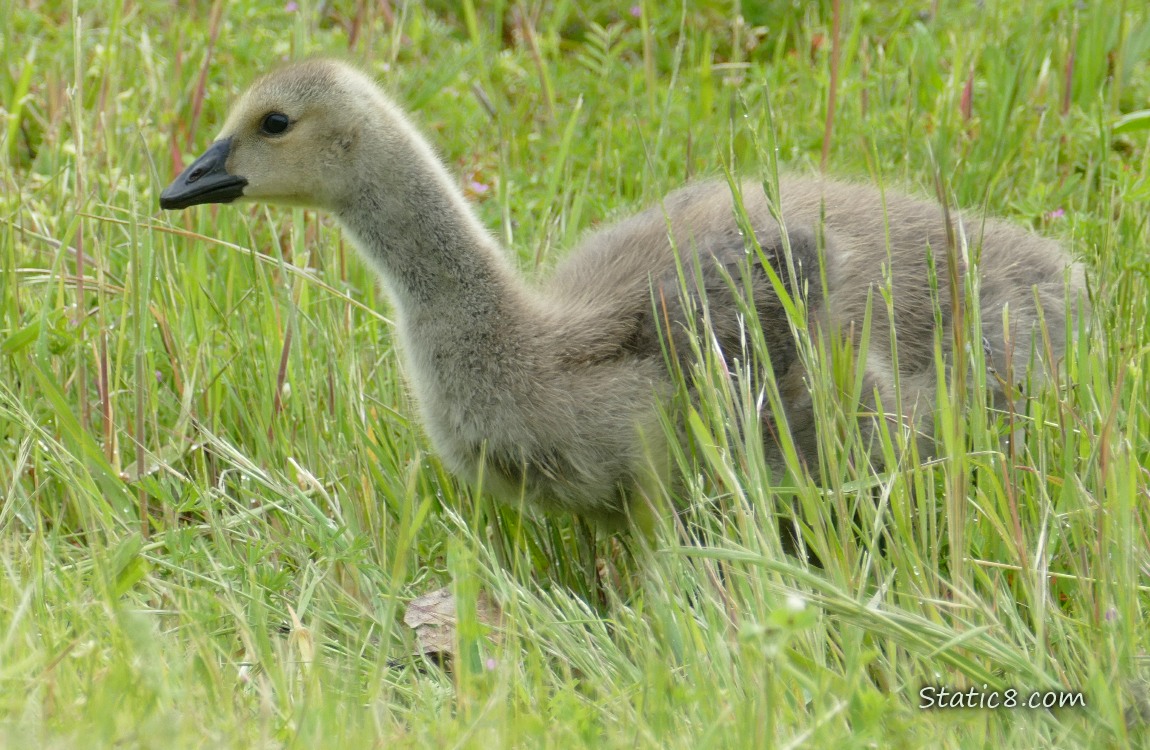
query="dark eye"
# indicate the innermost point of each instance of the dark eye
(275, 123)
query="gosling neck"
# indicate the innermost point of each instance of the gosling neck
(413, 224)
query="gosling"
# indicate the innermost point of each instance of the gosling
(552, 391)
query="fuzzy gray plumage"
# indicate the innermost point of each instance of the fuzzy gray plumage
(553, 388)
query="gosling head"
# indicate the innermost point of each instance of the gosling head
(297, 136)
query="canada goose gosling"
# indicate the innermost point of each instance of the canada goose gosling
(553, 390)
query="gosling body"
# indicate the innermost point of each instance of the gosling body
(550, 391)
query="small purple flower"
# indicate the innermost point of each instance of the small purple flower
(478, 187)
(490, 664)
(1111, 614)
(1057, 213)
(636, 11)
(291, 7)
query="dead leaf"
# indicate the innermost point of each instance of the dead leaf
(433, 618)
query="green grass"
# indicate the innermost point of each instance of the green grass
(141, 354)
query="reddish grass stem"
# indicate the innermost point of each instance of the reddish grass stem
(832, 95)
(216, 18)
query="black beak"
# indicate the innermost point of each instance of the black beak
(205, 181)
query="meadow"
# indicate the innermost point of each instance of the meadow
(216, 500)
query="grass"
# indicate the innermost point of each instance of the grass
(229, 374)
